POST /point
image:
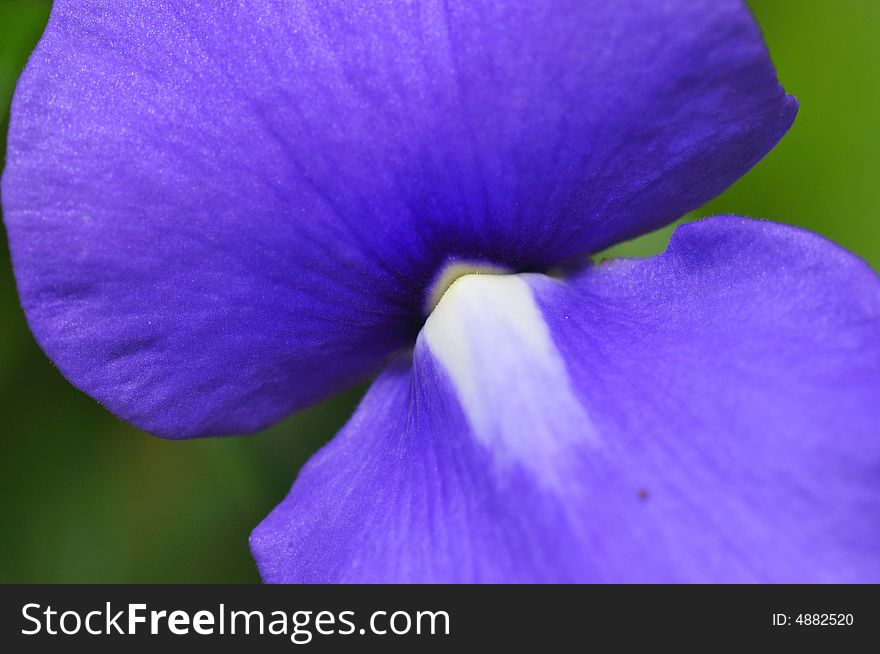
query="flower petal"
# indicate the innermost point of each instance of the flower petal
(221, 212)
(710, 414)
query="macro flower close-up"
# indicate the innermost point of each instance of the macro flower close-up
(222, 213)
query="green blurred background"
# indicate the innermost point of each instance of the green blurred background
(86, 498)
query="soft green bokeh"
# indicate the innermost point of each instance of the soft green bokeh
(824, 174)
(84, 497)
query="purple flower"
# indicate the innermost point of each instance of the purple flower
(220, 213)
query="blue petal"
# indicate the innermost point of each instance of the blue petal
(220, 212)
(707, 415)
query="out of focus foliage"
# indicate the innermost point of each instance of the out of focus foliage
(84, 497)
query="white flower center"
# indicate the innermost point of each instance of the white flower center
(454, 271)
(493, 340)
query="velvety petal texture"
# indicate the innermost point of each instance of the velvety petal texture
(710, 414)
(220, 212)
